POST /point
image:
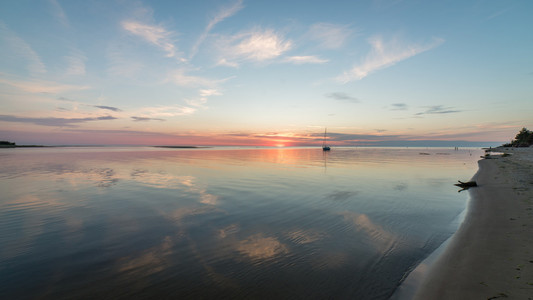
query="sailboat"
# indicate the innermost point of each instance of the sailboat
(325, 147)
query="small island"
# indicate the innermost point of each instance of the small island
(7, 144)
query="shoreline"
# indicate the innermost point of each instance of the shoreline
(491, 254)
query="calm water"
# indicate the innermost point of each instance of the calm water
(223, 223)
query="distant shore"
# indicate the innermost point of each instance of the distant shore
(75, 146)
(491, 255)
(182, 147)
(23, 146)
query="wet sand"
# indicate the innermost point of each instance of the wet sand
(491, 255)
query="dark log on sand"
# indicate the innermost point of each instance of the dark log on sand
(466, 184)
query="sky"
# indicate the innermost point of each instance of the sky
(265, 73)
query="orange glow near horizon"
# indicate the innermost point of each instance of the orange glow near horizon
(282, 139)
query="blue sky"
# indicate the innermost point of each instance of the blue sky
(264, 72)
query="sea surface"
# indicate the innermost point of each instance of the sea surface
(265, 223)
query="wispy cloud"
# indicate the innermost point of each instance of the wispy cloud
(330, 36)
(211, 92)
(355, 137)
(107, 107)
(19, 48)
(256, 45)
(224, 13)
(179, 77)
(221, 15)
(399, 106)
(202, 100)
(65, 99)
(59, 13)
(166, 111)
(438, 109)
(500, 12)
(342, 97)
(40, 86)
(224, 62)
(305, 60)
(120, 64)
(198, 102)
(145, 119)
(57, 122)
(76, 63)
(156, 35)
(261, 46)
(383, 55)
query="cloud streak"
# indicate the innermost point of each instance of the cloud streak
(145, 119)
(23, 50)
(120, 64)
(210, 92)
(220, 16)
(399, 106)
(179, 77)
(155, 35)
(437, 110)
(41, 86)
(329, 36)
(342, 97)
(256, 45)
(166, 111)
(298, 60)
(383, 55)
(202, 100)
(57, 122)
(59, 13)
(107, 107)
(76, 63)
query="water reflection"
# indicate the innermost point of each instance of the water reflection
(342, 195)
(206, 223)
(149, 262)
(260, 247)
(301, 236)
(381, 239)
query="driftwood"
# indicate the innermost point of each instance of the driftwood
(466, 184)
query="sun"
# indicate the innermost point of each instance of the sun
(280, 145)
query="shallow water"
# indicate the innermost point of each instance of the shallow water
(223, 222)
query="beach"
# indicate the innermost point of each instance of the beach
(491, 255)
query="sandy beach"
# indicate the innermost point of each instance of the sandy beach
(491, 255)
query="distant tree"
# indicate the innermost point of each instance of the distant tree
(6, 144)
(524, 138)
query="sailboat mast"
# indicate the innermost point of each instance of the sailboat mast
(325, 146)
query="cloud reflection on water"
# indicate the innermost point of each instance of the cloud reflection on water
(380, 238)
(301, 236)
(228, 230)
(210, 216)
(164, 180)
(260, 247)
(149, 262)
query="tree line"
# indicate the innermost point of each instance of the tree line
(524, 138)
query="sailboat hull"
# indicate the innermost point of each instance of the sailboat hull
(325, 146)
